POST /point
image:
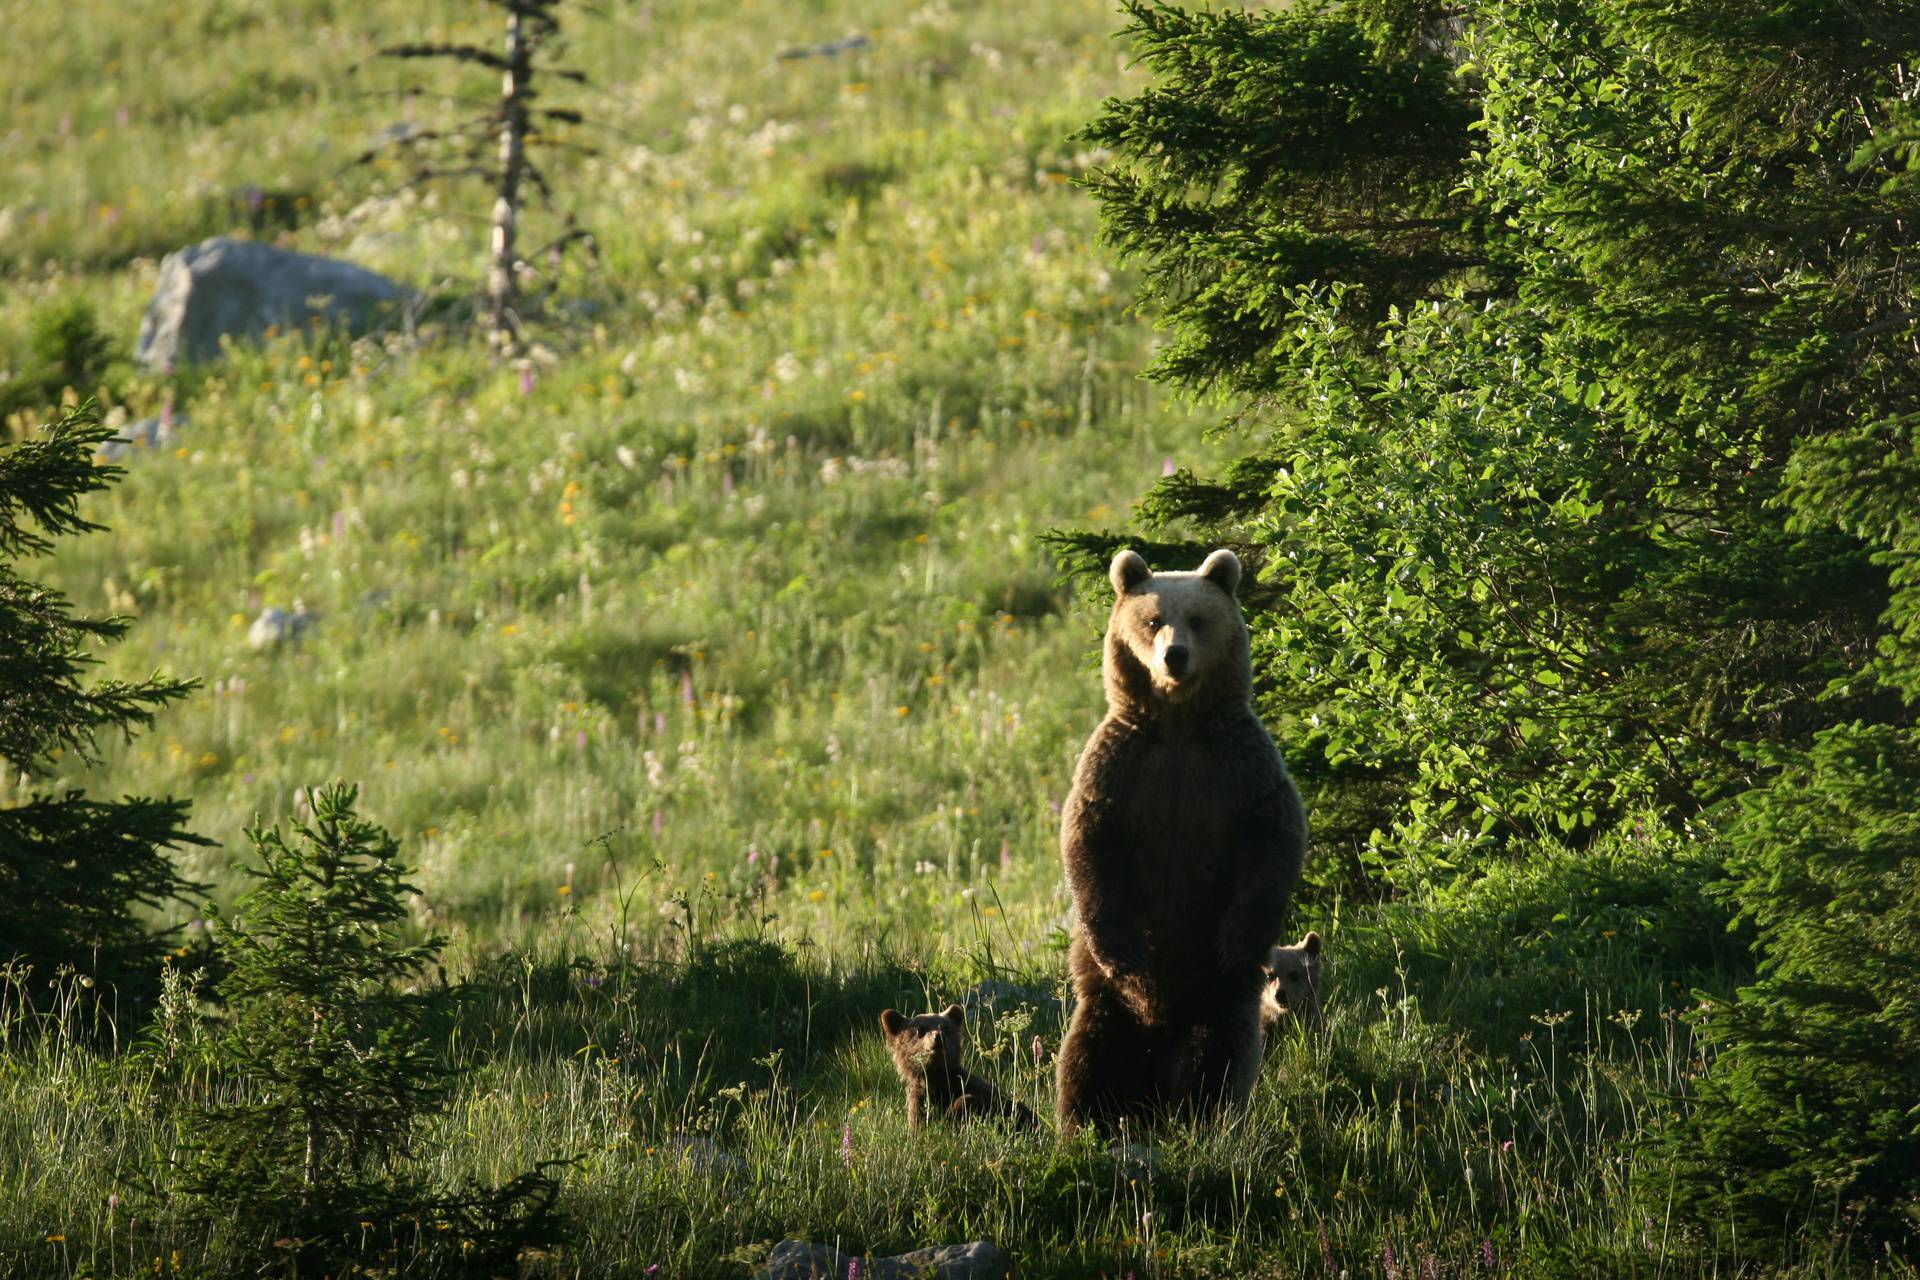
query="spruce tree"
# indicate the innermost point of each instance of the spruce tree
(82, 876)
(333, 1069)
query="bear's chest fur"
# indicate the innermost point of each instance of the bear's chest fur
(1173, 832)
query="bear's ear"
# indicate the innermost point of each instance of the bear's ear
(1311, 943)
(891, 1022)
(1127, 571)
(1222, 568)
(955, 1014)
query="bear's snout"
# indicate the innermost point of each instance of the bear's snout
(1178, 661)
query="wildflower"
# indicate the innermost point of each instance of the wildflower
(846, 1144)
(1486, 1252)
(1006, 854)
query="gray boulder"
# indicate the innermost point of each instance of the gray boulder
(223, 287)
(798, 1260)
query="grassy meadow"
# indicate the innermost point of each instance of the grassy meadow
(709, 665)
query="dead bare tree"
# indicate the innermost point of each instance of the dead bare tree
(509, 131)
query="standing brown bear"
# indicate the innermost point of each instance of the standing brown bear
(1182, 837)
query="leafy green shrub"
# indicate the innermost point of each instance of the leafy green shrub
(79, 873)
(65, 349)
(334, 1067)
(1561, 333)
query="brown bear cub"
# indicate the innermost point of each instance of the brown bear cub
(926, 1052)
(1293, 986)
(1182, 837)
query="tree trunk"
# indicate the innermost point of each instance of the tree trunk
(503, 323)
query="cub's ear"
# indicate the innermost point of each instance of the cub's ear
(891, 1022)
(955, 1014)
(1312, 944)
(1222, 568)
(1127, 571)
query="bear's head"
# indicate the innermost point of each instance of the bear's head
(1176, 639)
(930, 1040)
(1293, 983)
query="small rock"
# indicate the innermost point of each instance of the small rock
(153, 433)
(997, 997)
(1135, 1159)
(223, 287)
(830, 49)
(977, 1260)
(277, 626)
(703, 1155)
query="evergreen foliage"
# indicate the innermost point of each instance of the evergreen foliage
(334, 1065)
(1577, 350)
(65, 348)
(1563, 332)
(1809, 1112)
(80, 873)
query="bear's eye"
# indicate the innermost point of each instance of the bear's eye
(1156, 623)
(1195, 624)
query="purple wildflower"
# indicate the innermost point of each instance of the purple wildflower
(658, 823)
(686, 688)
(1326, 1250)
(1389, 1262)
(846, 1144)
(1486, 1253)
(1166, 466)
(1006, 855)
(526, 379)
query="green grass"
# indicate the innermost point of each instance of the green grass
(719, 686)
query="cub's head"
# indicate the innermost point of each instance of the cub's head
(1293, 983)
(927, 1040)
(1176, 638)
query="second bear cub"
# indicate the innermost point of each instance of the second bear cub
(926, 1051)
